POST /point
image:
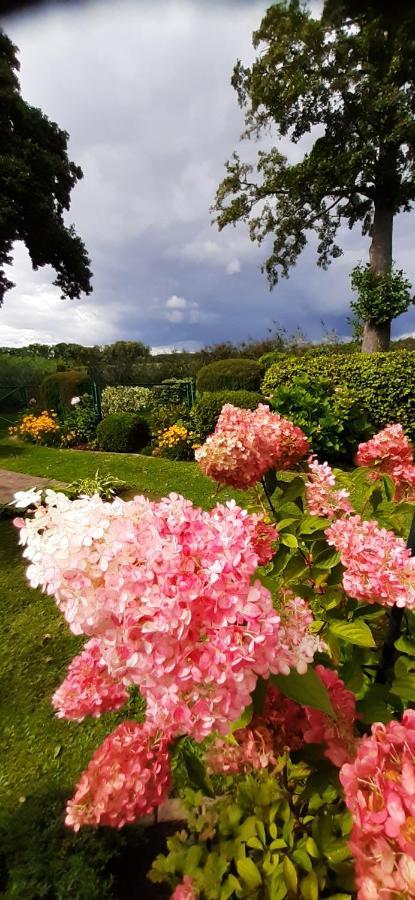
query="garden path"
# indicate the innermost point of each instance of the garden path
(10, 482)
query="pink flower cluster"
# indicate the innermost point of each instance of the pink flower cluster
(286, 724)
(297, 645)
(88, 689)
(166, 589)
(246, 443)
(379, 788)
(323, 499)
(184, 890)
(390, 452)
(379, 567)
(128, 776)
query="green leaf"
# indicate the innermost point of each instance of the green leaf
(326, 559)
(310, 524)
(309, 887)
(352, 632)
(302, 859)
(295, 489)
(231, 888)
(308, 690)
(404, 687)
(196, 772)
(373, 706)
(405, 645)
(290, 874)
(289, 540)
(295, 568)
(248, 871)
(246, 716)
(258, 696)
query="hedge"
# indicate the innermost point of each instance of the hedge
(206, 410)
(123, 433)
(57, 390)
(384, 383)
(125, 399)
(230, 375)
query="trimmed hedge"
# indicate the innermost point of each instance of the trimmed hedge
(125, 399)
(206, 410)
(384, 383)
(57, 390)
(230, 375)
(123, 433)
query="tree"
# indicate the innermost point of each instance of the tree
(344, 86)
(36, 179)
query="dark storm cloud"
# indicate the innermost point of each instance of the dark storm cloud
(144, 90)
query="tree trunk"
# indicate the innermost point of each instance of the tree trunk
(377, 337)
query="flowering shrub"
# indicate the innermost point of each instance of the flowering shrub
(274, 640)
(176, 442)
(79, 422)
(39, 429)
(125, 399)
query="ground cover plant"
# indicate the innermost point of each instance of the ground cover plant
(275, 624)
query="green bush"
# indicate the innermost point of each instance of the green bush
(206, 410)
(332, 420)
(173, 390)
(79, 423)
(164, 415)
(125, 399)
(230, 375)
(123, 433)
(57, 390)
(383, 383)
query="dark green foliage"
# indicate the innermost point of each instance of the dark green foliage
(383, 383)
(174, 390)
(123, 433)
(57, 390)
(206, 410)
(332, 420)
(231, 375)
(380, 298)
(36, 180)
(82, 419)
(162, 415)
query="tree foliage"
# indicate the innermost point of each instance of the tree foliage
(36, 180)
(342, 88)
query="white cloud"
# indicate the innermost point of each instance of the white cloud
(175, 302)
(233, 267)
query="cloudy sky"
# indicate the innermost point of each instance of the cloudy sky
(143, 87)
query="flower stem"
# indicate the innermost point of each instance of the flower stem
(268, 496)
(395, 621)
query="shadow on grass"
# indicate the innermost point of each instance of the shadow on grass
(7, 452)
(41, 857)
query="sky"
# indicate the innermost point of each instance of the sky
(143, 88)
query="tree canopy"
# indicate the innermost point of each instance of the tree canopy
(343, 88)
(36, 180)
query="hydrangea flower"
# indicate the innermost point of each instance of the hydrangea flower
(378, 565)
(127, 777)
(184, 890)
(23, 499)
(323, 499)
(88, 689)
(390, 452)
(247, 443)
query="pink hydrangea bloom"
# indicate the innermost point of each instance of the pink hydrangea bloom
(379, 567)
(249, 748)
(246, 443)
(167, 590)
(184, 890)
(127, 777)
(88, 689)
(323, 499)
(390, 452)
(337, 734)
(379, 788)
(297, 645)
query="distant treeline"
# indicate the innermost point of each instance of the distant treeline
(131, 362)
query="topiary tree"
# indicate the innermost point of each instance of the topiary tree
(123, 433)
(346, 83)
(36, 180)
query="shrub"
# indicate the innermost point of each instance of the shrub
(123, 433)
(38, 429)
(176, 442)
(206, 410)
(57, 390)
(79, 422)
(383, 383)
(162, 416)
(230, 374)
(330, 417)
(173, 390)
(125, 399)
